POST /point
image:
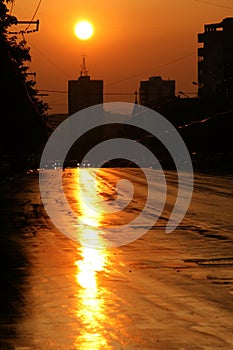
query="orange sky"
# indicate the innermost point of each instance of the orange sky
(133, 40)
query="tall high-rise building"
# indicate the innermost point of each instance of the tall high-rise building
(156, 92)
(215, 61)
(84, 92)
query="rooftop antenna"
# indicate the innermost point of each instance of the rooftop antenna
(84, 71)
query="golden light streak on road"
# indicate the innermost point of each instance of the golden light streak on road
(91, 310)
(91, 306)
(90, 213)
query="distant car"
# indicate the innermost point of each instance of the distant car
(52, 164)
(76, 164)
(120, 163)
(85, 164)
(70, 164)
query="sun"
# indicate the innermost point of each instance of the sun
(84, 30)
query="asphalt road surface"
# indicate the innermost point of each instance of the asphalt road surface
(162, 291)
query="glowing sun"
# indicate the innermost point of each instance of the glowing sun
(84, 30)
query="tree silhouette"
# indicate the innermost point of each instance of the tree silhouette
(20, 55)
(23, 130)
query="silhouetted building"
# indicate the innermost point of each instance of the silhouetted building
(156, 92)
(215, 61)
(84, 92)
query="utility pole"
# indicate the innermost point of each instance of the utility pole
(36, 23)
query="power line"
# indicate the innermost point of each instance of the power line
(49, 60)
(127, 78)
(106, 93)
(214, 4)
(12, 6)
(55, 91)
(34, 15)
(146, 72)
(118, 93)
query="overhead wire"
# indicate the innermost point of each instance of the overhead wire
(55, 91)
(214, 4)
(118, 81)
(34, 15)
(12, 6)
(105, 93)
(146, 72)
(26, 30)
(49, 60)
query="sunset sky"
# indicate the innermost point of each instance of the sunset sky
(133, 40)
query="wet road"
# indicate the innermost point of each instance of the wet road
(163, 291)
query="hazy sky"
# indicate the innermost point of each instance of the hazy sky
(133, 40)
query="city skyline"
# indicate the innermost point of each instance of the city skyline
(124, 48)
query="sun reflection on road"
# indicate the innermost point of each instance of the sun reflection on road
(91, 309)
(93, 261)
(91, 306)
(90, 212)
